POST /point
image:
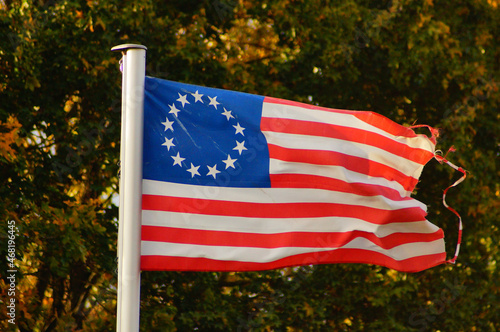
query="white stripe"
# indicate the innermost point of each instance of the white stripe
(365, 151)
(274, 195)
(271, 110)
(265, 255)
(335, 172)
(280, 225)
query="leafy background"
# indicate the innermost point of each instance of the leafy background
(428, 62)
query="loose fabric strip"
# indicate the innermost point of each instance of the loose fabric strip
(442, 159)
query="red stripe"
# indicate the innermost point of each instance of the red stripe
(349, 134)
(170, 263)
(280, 210)
(332, 158)
(322, 182)
(374, 119)
(278, 240)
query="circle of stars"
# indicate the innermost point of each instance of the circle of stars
(206, 170)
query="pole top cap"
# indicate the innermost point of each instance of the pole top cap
(124, 47)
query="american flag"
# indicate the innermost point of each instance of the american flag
(239, 182)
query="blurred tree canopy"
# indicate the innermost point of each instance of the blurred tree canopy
(428, 62)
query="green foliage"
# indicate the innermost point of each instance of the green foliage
(432, 62)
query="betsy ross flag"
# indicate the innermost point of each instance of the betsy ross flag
(239, 182)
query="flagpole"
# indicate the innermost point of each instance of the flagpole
(129, 233)
(121, 203)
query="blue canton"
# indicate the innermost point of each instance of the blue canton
(203, 136)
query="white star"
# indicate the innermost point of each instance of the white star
(168, 143)
(168, 124)
(197, 96)
(212, 171)
(240, 147)
(239, 129)
(178, 160)
(227, 114)
(213, 101)
(173, 109)
(183, 100)
(229, 162)
(193, 170)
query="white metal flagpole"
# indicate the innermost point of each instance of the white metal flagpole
(120, 211)
(129, 233)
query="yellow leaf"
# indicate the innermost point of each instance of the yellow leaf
(423, 20)
(101, 23)
(86, 63)
(32, 83)
(8, 138)
(347, 322)
(309, 310)
(494, 3)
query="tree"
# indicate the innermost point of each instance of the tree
(426, 62)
